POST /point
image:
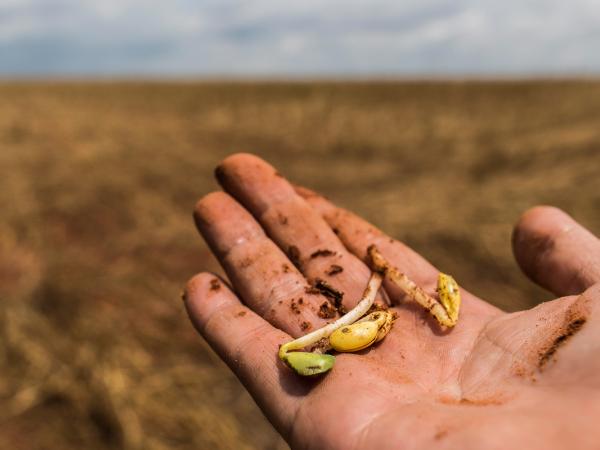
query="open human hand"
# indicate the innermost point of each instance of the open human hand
(496, 380)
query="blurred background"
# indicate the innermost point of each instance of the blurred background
(438, 121)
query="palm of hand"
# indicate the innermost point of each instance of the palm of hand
(500, 381)
(493, 380)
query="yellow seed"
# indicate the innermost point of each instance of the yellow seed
(309, 364)
(449, 296)
(354, 337)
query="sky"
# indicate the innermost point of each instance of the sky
(283, 38)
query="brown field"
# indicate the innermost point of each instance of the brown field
(96, 238)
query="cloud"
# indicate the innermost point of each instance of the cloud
(270, 37)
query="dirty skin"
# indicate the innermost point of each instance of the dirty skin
(215, 285)
(572, 327)
(322, 252)
(334, 269)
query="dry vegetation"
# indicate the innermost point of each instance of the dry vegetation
(96, 237)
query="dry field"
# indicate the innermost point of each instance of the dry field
(98, 181)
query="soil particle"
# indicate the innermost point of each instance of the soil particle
(336, 231)
(322, 252)
(334, 269)
(520, 371)
(294, 255)
(441, 434)
(377, 306)
(321, 344)
(215, 285)
(294, 307)
(329, 291)
(283, 220)
(245, 262)
(326, 310)
(572, 327)
(482, 401)
(241, 314)
(304, 326)
(286, 268)
(334, 296)
(311, 290)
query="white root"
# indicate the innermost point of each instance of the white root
(347, 319)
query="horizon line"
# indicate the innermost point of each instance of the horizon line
(300, 78)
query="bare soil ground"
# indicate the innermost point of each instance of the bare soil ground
(97, 184)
